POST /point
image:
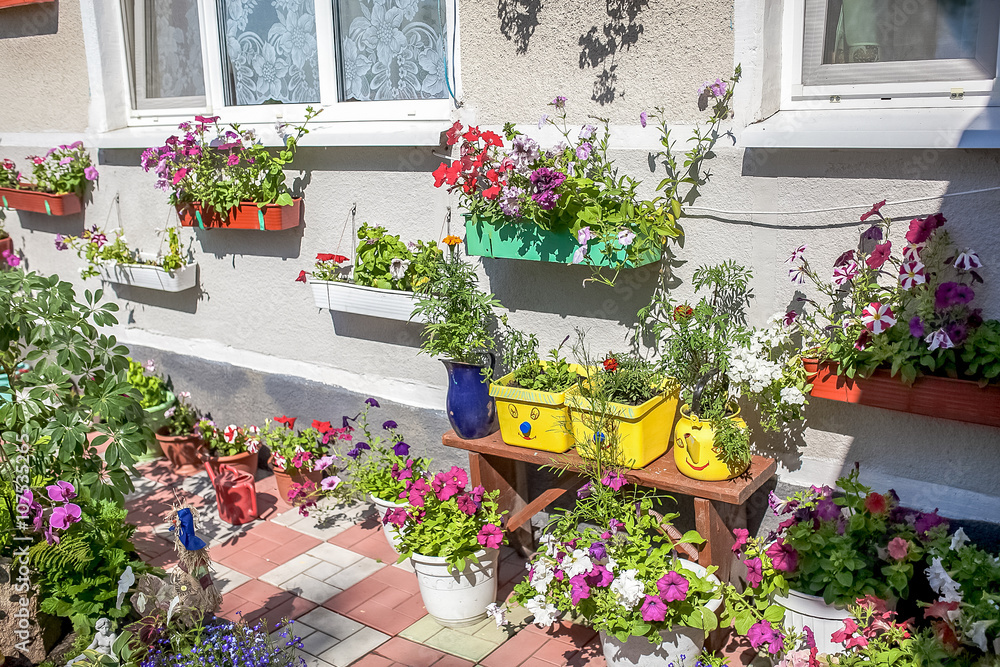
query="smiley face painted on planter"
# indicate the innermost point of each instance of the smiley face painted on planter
(692, 446)
(526, 429)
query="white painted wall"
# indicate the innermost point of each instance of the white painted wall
(250, 312)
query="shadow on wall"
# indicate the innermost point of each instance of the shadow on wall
(518, 20)
(223, 242)
(184, 302)
(600, 47)
(378, 329)
(67, 225)
(30, 20)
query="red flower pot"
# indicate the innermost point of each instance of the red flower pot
(4, 4)
(6, 244)
(244, 462)
(183, 451)
(958, 400)
(24, 199)
(285, 479)
(245, 216)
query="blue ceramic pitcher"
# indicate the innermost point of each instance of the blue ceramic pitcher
(471, 409)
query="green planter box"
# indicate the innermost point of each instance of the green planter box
(525, 240)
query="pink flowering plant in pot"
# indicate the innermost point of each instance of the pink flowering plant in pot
(908, 309)
(66, 169)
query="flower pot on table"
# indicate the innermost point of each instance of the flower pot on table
(156, 418)
(533, 419)
(471, 410)
(510, 238)
(344, 297)
(270, 217)
(947, 398)
(285, 479)
(643, 430)
(244, 461)
(392, 533)
(694, 448)
(456, 599)
(183, 451)
(27, 199)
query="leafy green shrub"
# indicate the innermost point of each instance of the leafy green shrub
(152, 387)
(554, 375)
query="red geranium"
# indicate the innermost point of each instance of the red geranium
(327, 257)
(610, 364)
(287, 421)
(453, 133)
(302, 277)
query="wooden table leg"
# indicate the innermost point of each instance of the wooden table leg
(715, 522)
(507, 476)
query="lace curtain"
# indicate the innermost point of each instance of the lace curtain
(391, 49)
(270, 52)
(173, 66)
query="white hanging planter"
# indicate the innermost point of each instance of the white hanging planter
(361, 300)
(150, 277)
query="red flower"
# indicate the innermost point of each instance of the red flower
(610, 364)
(875, 209)
(453, 172)
(472, 134)
(302, 277)
(327, 257)
(682, 312)
(440, 174)
(492, 192)
(322, 427)
(491, 139)
(452, 133)
(493, 176)
(921, 229)
(879, 255)
(875, 503)
(842, 635)
(940, 609)
(287, 421)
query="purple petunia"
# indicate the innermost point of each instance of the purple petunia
(916, 327)
(545, 180)
(401, 448)
(388, 424)
(372, 402)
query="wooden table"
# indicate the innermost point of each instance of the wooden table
(719, 507)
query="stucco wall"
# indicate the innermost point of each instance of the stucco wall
(249, 311)
(43, 68)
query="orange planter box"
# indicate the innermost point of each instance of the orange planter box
(17, 3)
(270, 218)
(958, 400)
(23, 199)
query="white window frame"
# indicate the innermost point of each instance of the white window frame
(334, 111)
(795, 95)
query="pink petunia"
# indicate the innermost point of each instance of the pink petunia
(877, 317)
(898, 548)
(783, 557)
(490, 536)
(742, 535)
(653, 609)
(755, 572)
(673, 586)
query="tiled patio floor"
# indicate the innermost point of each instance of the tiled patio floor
(337, 577)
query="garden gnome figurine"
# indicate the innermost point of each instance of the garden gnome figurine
(103, 642)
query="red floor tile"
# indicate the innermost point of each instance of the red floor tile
(556, 652)
(248, 564)
(354, 535)
(378, 616)
(565, 632)
(453, 661)
(377, 547)
(409, 653)
(397, 578)
(373, 660)
(355, 595)
(414, 607)
(592, 655)
(515, 650)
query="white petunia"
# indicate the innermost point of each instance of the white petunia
(942, 583)
(628, 589)
(497, 613)
(542, 577)
(959, 540)
(977, 633)
(578, 563)
(793, 396)
(545, 614)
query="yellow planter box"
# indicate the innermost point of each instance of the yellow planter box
(533, 419)
(694, 448)
(643, 430)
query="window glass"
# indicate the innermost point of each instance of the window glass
(391, 49)
(163, 38)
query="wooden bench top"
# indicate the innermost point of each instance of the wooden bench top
(661, 474)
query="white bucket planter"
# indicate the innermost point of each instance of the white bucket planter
(681, 646)
(457, 599)
(361, 300)
(150, 277)
(803, 610)
(392, 533)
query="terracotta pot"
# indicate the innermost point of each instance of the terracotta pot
(183, 451)
(286, 479)
(23, 199)
(245, 216)
(245, 462)
(958, 400)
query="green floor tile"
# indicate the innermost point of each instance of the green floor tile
(422, 630)
(464, 646)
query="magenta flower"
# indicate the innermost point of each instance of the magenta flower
(939, 340)
(967, 260)
(952, 294)
(559, 102)
(755, 572)
(417, 491)
(61, 492)
(844, 258)
(911, 274)
(742, 535)
(490, 536)
(921, 229)
(545, 180)
(879, 256)
(796, 254)
(233, 160)
(614, 480)
(844, 273)
(599, 577)
(466, 504)
(598, 551)
(323, 463)
(91, 173)
(579, 589)
(330, 483)
(673, 586)
(60, 243)
(643, 118)
(178, 175)
(653, 609)
(763, 634)
(395, 516)
(783, 557)
(790, 317)
(877, 317)
(64, 516)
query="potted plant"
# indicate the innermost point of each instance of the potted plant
(296, 456)
(531, 402)
(612, 560)
(716, 356)
(225, 177)
(834, 549)
(901, 330)
(233, 446)
(156, 400)
(60, 180)
(568, 204)
(226, 644)
(115, 262)
(452, 536)
(383, 280)
(180, 441)
(380, 465)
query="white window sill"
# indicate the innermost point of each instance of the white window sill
(349, 133)
(877, 128)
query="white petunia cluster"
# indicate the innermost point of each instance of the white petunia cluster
(542, 576)
(545, 614)
(628, 589)
(942, 583)
(577, 563)
(793, 396)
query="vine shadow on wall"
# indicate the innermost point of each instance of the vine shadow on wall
(601, 47)
(518, 20)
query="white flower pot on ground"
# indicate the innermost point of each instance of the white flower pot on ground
(150, 277)
(361, 300)
(392, 533)
(681, 646)
(802, 609)
(457, 599)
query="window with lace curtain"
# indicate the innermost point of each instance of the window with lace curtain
(897, 41)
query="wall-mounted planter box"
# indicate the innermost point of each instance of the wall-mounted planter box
(360, 300)
(247, 215)
(23, 199)
(523, 239)
(151, 277)
(4, 4)
(958, 400)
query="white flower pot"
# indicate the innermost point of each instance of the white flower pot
(802, 609)
(681, 646)
(457, 599)
(150, 277)
(392, 533)
(361, 300)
